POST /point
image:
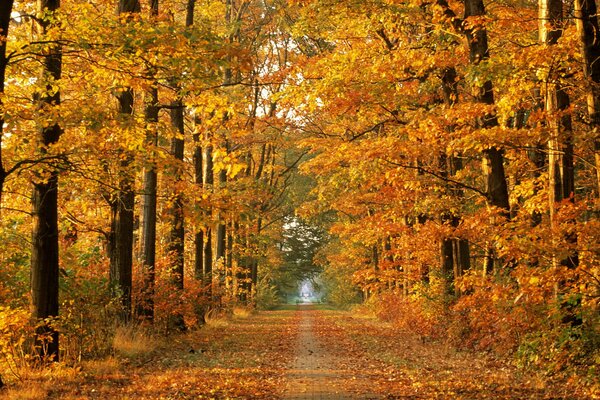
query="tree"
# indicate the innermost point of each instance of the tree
(44, 252)
(586, 19)
(123, 201)
(5, 15)
(148, 237)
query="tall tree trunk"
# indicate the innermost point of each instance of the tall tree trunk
(44, 252)
(121, 236)
(561, 169)
(177, 229)
(198, 174)
(148, 237)
(496, 184)
(5, 12)
(221, 236)
(198, 180)
(560, 143)
(586, 19)
(207, 250)
(454, 251)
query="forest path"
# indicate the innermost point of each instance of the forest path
(320, 371)
(344, 355)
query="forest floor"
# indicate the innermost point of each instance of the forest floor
(297, 352)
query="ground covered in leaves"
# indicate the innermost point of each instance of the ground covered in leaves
(257, 356)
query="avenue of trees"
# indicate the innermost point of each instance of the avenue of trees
(162, 159)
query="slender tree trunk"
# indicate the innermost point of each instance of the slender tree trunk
(221, 236)
(198, 179)
(229, 274)
(121, 236)
(177, 231)
(560, 143)
(197, 160)
(207, 250)
(6, 7)
(586, 19)
(44, 252)
(454, 251)
(148, 238)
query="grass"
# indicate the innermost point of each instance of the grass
(133, 341)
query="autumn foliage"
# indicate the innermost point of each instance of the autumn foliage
(439, 157)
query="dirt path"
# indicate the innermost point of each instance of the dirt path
(319, 373)
(340, 355)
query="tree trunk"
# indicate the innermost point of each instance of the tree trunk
(121, 236)
(198, 179)
(177, 231)
(44, 252)
(197, 160)
(496, 185)
(586, 19)
(208, 253)
(148, 238)
(5, 12)
(560, 144)
(453, 250)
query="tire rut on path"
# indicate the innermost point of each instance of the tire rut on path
(317, 372)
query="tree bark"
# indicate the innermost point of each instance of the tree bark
(148, 237)
(207, 246)
(198, 179)
(177, 229)
(496, 184)
(44, 252)
(121, 236)
(5, 12)
(586, 19)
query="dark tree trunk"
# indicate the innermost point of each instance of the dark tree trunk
(177, 229)
(148, 237)
(454, 251)
(121, 236)
(199, 236)
(121, 249)
(198, 175)
(208, 251)
(586, 19)
(496, 184)
(44, 252)
(5, 12)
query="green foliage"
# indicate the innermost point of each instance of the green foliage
(339, 288)
(267, 296)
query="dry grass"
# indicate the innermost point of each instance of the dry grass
(29, 392)
(242, 312)
(133, 341)
(216, 319)
(101, 367)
